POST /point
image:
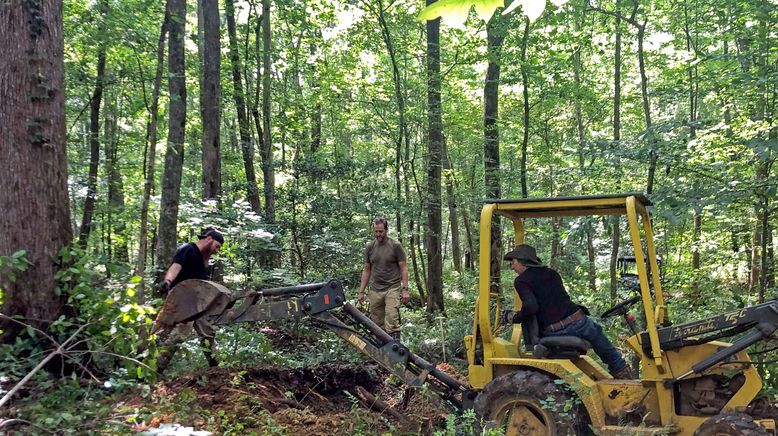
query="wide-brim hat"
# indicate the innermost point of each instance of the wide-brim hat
(525, 254)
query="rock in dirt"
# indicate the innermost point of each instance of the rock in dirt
(174, 430)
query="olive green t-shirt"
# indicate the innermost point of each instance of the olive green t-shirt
(383, 260)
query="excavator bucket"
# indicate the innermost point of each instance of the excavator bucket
(193, 299)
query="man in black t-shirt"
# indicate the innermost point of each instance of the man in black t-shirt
(543, 296)
(190, 262)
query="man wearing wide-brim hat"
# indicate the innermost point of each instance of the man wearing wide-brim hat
(543, 296)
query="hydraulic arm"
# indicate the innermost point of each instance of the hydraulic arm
(763, 318)
(317, 302)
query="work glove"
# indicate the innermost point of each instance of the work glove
(164, 287)
(510, 317)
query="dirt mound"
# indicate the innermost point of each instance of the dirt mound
(310, 401)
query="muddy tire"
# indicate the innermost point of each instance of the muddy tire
(530, 403)
(735, 424)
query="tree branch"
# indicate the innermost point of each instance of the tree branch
(40, 365)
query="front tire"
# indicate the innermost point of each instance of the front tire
(530, 403)
(731, 424)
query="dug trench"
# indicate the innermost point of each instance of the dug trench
(325, 400)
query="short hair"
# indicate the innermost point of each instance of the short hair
(381, 220)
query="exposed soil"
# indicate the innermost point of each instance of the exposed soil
(306, 401)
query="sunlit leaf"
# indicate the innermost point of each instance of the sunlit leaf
(532, 8)
(454, 12)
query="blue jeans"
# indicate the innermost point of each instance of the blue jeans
(589, 330)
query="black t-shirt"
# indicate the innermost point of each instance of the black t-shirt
(192, 264)
(543, 295)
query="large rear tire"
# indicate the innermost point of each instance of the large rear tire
(731, 424)
(530, 403)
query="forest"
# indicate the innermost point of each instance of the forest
(127, 127)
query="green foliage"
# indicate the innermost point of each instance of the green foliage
(332, 60)
(115, 321)
(69, 408)
(10, 266)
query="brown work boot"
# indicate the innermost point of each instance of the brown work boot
(624, 373)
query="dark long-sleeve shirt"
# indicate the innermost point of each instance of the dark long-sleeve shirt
(543, 295)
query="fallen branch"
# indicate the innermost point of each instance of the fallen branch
(371, 402)
(10, 422)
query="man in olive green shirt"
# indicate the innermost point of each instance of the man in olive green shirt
(387, 273)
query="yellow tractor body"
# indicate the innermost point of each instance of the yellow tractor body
(666, 398)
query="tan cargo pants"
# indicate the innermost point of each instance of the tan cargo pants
(385, 308)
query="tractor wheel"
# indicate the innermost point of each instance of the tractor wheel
(530, 403)
(731, 424)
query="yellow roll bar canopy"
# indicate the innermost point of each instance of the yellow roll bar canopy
(633, 205)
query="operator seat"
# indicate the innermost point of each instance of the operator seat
(551, 347)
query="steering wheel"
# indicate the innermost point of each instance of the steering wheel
(620, 308)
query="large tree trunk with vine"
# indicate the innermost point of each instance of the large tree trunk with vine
(36, 214)
(174, 156)
(210, 99)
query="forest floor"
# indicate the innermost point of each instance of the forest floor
(312, 401)
(275, 379)
(325, 399)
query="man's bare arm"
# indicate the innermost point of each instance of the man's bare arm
(172, 272)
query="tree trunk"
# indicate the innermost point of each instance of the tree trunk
(268, 169)
(151, 136)
(94, 133)
(401, 115)
(616, 229)
(453, 218)
(556, 223)
(469, 255)
(764, 267)
(591, 271)
(646, 108)
(254, 103)
(174, 156)
(210, 99)
(244, 129)
(616, 238)
(435, 144)
(418, 277)
(754, 274)
(525, 95)
(36, 214)
(495, 34)
(115, 186)
(316, 117)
